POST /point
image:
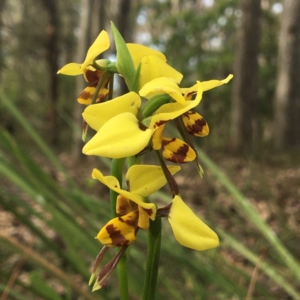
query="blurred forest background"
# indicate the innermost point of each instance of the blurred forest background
(50, 208)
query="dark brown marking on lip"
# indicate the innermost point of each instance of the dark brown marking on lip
(85, 95)
(149, 211)
(197, 127)
(116, 237)
(131, 222)
(166, 142)
(180, 154)
(159, 123)
(93, 76)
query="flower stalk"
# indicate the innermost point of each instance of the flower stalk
(152, 262)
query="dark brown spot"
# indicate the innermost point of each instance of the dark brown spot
(167, 142)
(93, 76)
(180, 154)
(116, 237)
(85, 95)
(130, 222)
(122, 210)
(164, 211)
(149, 211)
(142, 126)
(159, 123)
(197, 127)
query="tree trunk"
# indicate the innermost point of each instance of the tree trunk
(124, 25)
(52, 54)
(245, 89)
(287, 95)
(2, 7)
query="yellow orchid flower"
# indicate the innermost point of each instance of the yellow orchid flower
(100, 45)
(134, 213)
(122, 134)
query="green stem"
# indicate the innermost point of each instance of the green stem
(99, 85)
(152, 264)
(117, 171)
(111, 88)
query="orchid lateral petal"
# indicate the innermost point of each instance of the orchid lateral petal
(98, 114)
(188, 229)
(145, 180)
(107, 270)
(177, 151)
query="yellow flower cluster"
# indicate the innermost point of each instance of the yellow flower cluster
(133, 124)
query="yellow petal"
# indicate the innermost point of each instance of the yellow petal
(72, 69)
(157, 137)
(177, 151)
(188, 229)
(206, 85)
(124, 205)
(171, 111)
(145, 180)
(120, 231)
(100, 45)
(210, 84)
(162, 85)
(98, 114)
(137, 52)
(143, 221)
(121, 136)
(112, 183)
(153, 67)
